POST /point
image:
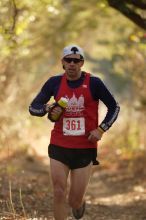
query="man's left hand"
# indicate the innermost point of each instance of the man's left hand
(95, 135)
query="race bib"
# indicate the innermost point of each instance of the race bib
(74, 126)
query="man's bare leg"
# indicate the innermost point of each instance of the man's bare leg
(79, 182)
(59, 174)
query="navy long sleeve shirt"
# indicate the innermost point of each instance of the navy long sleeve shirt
(98, 91)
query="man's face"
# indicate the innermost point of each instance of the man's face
(72, 65)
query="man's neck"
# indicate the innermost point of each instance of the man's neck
(73, 78)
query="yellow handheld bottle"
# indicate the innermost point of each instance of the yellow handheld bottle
(62, 102)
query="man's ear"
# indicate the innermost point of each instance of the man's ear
(62, 64)
(82, 63)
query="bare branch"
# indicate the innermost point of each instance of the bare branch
(14, 15)
(139, 4)
(128, 12)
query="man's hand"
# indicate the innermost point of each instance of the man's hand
(53, 111)
(57, 110)
(95, 135)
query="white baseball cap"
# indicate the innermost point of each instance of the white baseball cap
(72, 49)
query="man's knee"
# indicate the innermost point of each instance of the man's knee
(59, 192)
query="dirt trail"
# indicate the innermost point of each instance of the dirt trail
(116, 192)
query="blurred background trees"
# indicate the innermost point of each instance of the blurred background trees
(32, 35)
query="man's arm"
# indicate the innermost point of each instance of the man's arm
(39, 106)
(108, 121)
(100, 91)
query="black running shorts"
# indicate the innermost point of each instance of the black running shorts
(73, 158)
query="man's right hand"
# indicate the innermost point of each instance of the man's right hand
(53, 111)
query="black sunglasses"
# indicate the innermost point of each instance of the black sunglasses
(69, 60)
